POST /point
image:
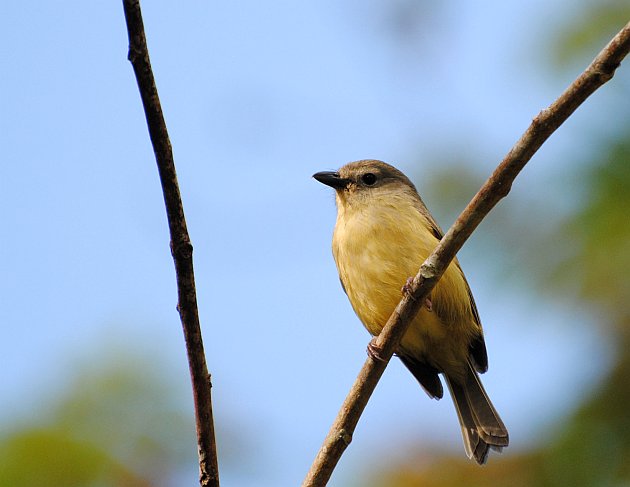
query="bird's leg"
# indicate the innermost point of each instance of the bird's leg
(406, 289)
(374, 351)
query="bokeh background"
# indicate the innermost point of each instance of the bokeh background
(94, 387)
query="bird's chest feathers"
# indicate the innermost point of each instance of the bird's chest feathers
(376, 250)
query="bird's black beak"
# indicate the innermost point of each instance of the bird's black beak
(331, 179)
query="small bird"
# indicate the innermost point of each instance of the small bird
(383, 234)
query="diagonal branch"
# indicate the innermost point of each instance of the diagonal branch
(495, 188)
(181, 248)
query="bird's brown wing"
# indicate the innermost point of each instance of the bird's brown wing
(478, 353)
(477, 347)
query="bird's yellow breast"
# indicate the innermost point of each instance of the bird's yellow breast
(377, 246)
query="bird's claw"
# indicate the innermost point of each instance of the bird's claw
(374, 351)
(406, 289)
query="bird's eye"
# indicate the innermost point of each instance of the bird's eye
(368, 178)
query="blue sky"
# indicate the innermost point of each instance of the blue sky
(257, 97)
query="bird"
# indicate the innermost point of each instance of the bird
(382, 235)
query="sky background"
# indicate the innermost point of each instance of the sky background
(258, 97)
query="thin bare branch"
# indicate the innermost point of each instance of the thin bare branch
(181, 248)
(495, 188)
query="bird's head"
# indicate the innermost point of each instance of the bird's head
(368, 183)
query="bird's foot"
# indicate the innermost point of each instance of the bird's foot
(406, 289)
(374, 351)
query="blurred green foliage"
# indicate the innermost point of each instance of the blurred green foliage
(582, 259)
(602, 230)
(53, 458)
(119, 424)
(594, 24)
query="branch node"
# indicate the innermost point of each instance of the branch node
(345, 436)
(428, 270)
(182, 249)
(606, 70)
(540, 122)
(132, 54)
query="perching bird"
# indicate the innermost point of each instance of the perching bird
(383, 234)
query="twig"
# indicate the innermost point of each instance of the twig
(181, 248)
(495, 188)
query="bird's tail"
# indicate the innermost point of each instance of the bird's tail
(482, 427)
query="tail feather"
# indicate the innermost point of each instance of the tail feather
(482, 428)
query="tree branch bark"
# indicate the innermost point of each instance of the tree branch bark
(181, 248)
(494, 189)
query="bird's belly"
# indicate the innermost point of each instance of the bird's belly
(374, 284)
(374, 302)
